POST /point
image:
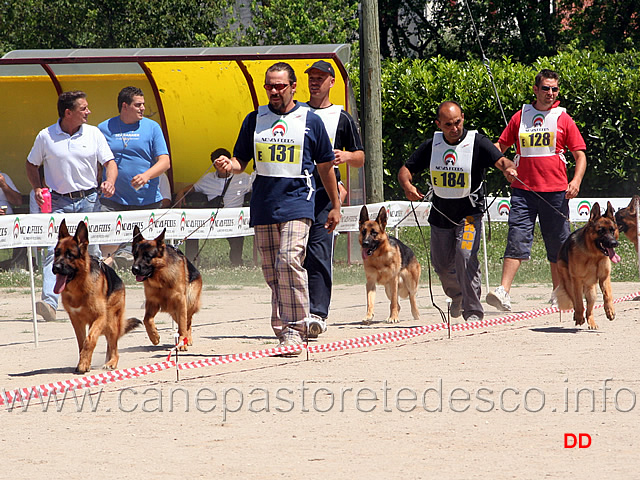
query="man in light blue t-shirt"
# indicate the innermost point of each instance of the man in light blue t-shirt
(141, 155)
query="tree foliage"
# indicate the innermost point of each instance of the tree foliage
(293, 22)
(44, 24)
(522, 29)
(613, 24)
(598, 90)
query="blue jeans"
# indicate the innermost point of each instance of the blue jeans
(61, 204)
(319, 264)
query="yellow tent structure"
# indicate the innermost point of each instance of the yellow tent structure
(198, 95)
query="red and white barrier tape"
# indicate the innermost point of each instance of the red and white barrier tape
(9, 398)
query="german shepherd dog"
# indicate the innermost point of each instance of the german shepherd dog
(389, 262)
(627, 223)
(584, 260)
(92, 294)
(171, 284)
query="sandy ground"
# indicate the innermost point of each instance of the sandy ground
(490, 403)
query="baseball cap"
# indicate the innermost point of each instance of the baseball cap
(323, 67)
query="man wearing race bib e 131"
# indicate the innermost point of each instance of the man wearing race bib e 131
(542, 132)
(456, 159)
(285, 138)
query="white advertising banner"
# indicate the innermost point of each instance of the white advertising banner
(117, 227)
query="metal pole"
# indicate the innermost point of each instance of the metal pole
(33, 298)
(449, 316)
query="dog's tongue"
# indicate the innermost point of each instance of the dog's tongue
(366, 252)
(615, 258)
(61, 282)
(139, 278)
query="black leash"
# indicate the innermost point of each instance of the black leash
(544, 200)
(203, 223)
(172, 207)
(428, 250)
(224, 191)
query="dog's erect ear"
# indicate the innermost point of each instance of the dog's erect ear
(364, 214)
(82, 234)
(137, 236)
(610, 213)
(382, 218)
(632, 204)
(595, 212)
(63, 232)
(160, 238)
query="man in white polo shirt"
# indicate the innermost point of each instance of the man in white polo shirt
(69, 151)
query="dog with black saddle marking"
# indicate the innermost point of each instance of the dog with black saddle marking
(171, 284)
(585, 260)
(627, 221)
(92, 294)
(389, 262)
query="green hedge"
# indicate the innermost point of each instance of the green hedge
(599, 90)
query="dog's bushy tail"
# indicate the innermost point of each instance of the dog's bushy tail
(563, 298)
(129, 324)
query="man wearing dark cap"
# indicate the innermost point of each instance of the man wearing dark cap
(286, 142)
(348, 149)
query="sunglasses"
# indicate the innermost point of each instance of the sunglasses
(544, 88)
(278, 86)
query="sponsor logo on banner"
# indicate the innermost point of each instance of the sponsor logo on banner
(394, 212)
(26, 232)
(51, 230)
(350, 221)
(584, 208)
(183, 221)
(151, 223)
(212, 220)
(504, 207)
(122, 227)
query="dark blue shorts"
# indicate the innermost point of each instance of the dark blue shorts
(525, 207)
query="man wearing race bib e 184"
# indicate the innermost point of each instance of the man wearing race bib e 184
(285, 138)
(542, 132)
(455, 158)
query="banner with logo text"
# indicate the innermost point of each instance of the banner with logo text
(117, 227)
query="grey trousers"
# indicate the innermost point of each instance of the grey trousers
(454, 256)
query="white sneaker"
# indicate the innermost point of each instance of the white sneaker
(500, 299)
(290, 342)
(315, 325)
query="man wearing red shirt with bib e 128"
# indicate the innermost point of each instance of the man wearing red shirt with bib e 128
(542, 132)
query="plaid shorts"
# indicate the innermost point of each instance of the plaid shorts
(283, 247)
